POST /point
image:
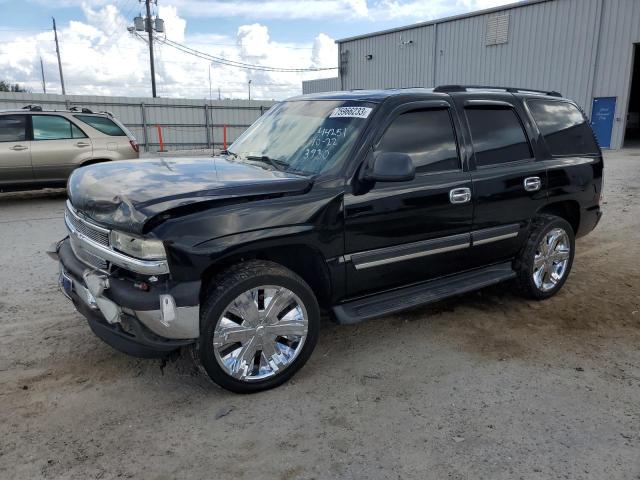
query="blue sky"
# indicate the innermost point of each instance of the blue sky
(100, 57)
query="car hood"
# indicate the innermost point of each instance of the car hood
(126, 194)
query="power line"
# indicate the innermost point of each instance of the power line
(235, 45)
(117, 32)
(234, 63)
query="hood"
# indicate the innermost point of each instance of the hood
(126, 194)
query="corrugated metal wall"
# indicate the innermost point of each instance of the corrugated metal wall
(321, 85)
(582, 48)
(620, 30)
(394, 61)
(184, 122)
(551, 46)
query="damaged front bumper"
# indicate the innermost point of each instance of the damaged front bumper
(142, 323)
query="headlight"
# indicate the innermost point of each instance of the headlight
(137, 247)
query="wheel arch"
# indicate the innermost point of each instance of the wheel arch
(93, 161)
(567, 209)
(304, 260)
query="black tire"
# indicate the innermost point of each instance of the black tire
(223, 290)
(524, 264)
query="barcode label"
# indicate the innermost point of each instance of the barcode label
(350, 112)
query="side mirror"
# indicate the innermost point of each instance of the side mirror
(391, 167)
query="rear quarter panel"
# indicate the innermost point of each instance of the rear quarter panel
(112, 148)
(577, 179)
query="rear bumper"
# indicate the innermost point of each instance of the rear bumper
(589, 219)
(140, 323)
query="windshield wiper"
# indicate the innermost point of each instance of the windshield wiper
(277, 164)
(228, 152)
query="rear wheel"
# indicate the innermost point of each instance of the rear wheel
(260, 323)
(545, 263)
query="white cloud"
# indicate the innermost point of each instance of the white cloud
(424, 10)
(333, 10)
(325, 52)
(100, 57)
(271, 9)
(254, 41)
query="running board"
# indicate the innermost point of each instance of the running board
(394, 301)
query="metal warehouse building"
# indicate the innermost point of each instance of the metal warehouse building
(589, 50)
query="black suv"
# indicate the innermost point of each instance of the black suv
(359, 204)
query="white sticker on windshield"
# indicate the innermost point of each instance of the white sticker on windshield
(350, 112)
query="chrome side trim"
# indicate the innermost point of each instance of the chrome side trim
(146, 267)
(375, 263)
(495, 239)
(494, 234)
(408, 251)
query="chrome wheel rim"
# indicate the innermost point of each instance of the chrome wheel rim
(260, 333)
(551, 259)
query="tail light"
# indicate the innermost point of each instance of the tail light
(135, 146)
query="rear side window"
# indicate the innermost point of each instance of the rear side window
(102, 124)
(427, 136)
(563, 127)
(13, 128)
(53, 127)
(497, 136)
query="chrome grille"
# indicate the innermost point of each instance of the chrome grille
(87, 257)
(89, 231)
(99, 236)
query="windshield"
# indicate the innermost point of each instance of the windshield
(306, 136)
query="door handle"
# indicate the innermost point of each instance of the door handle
(83, 144)
(19, 148)
(460, 195)
(532, 184)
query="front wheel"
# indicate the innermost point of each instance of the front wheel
(259, 325)
(545, 262)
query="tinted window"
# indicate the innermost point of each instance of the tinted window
(102, 124)
(13, 128)
(497, 136)
(53, 127)
(563, 127)
(427, 136)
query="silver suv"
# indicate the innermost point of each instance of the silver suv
(41, 148)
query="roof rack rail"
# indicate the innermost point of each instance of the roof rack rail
(32, 108)
(466, 88)
(80, 109)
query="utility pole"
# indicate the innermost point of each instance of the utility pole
(210, 96)
(149, 27)
(55, 34)
(219, 97)
(249, 83)
(44, 83)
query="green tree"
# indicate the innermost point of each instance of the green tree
(8, 87)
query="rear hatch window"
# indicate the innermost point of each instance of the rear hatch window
(102, 124)
(563, 127)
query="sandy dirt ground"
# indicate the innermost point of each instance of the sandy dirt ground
(485, 386)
